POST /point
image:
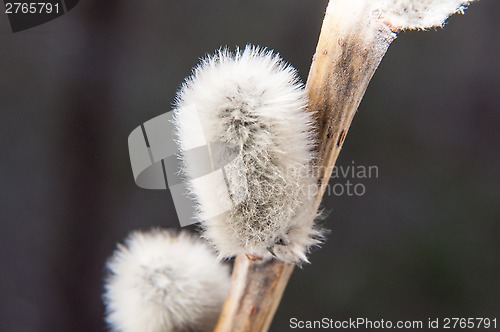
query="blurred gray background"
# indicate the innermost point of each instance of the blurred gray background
(423, 242)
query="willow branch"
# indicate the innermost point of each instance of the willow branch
(346, 58)
(256, 290)
(347, 55)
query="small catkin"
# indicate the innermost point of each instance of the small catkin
(366, 16)
(160, 281)
(420, 14)
(253, 105)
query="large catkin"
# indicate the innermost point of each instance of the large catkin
(253, 106)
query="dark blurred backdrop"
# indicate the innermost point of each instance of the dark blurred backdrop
(423, 242)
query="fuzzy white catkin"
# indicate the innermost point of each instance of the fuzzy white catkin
(420, 14)
(400, 14)
(160, 281)
(253, 103)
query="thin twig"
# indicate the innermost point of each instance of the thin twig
(256, 290)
